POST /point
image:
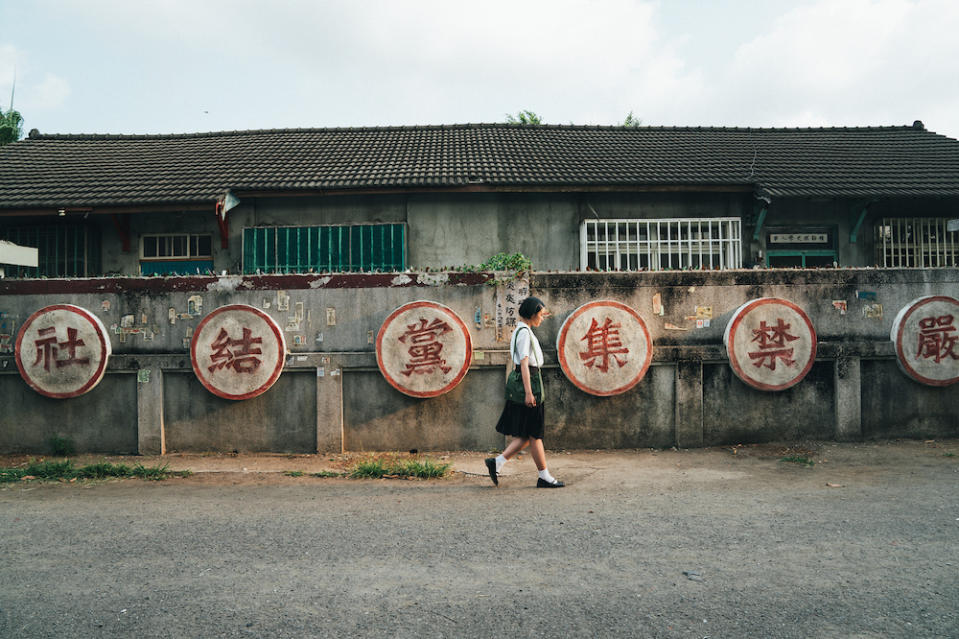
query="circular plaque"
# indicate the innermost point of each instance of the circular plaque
(925, 333)
(771, 344)
(62, 351)
(423, 349)
(237, 352)
(604, 348)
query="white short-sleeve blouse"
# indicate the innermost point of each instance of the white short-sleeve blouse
(524, 344)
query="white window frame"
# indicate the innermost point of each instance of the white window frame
(170, 239)
(660, 244)
(916, 242)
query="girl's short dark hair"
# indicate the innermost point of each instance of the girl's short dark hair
(530, 306)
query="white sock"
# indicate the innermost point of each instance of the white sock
(500, 462)
(545, 476)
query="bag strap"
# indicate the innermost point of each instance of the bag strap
(512, 346)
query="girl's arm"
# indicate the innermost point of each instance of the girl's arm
(527, 386)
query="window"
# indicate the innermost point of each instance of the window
(63, 250)
(176, 254)
(176, 247)
(916, 242)
(655, 245)
(302, 249)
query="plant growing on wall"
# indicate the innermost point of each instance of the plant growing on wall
(514, 265)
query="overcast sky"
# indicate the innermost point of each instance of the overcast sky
(178, 66)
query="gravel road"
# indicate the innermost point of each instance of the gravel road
(724, 542)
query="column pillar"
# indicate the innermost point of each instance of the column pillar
(689, 404)
(329, 407)
(848, 399)
(150, 436)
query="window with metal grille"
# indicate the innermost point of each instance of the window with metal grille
(655, 245)
(304, 249)
(176, 247)
(916, 242)
(176, 254)
(63, 250)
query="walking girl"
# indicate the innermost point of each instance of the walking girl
(523, 416)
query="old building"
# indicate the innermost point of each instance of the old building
(568, 197)
(328, 244)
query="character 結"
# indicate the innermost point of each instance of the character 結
(237, 354)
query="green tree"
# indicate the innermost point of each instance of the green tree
(523, 117)
(631, 122)
(11, 126)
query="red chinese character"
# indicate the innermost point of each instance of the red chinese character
(602, 343)
(425, 347)
(48, 348)
(936, 339)
(240, 359)
(772, 341)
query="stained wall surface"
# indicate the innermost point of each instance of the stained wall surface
(331, 395)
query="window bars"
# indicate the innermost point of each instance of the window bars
(331, 249)
(62, 250)
(916, 242)
(660, 244)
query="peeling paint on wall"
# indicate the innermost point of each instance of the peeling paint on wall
(658, 305)
(321, 282)
(282, 301)
(872, 311)
(840, 305)
(226, 284)
(433, 279)
(194, 305)
(400, 280)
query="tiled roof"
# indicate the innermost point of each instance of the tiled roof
(111, 170)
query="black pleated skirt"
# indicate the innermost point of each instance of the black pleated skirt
(520, 420)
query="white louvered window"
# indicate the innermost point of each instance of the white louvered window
(656, 245)
(903, 242)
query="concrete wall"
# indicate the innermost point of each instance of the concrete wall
(150, 400)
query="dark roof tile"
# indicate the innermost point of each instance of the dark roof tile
(103, 170)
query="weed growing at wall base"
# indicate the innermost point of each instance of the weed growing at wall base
(66, 471)
(377, 468)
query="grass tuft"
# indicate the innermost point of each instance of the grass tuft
(66, 470)
(798, 459)
(375, 468)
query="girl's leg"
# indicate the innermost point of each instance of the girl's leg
(517, 444)
(538, 453)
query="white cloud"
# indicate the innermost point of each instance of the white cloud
(854, 62)
(50, 93)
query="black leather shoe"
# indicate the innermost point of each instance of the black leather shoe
(491, 467)
(542, 483)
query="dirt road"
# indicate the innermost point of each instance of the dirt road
(700, 543)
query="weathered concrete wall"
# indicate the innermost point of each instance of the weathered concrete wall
(332, 396)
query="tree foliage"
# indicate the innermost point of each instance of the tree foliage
(631, 121)
(523, 117)
(11, 126)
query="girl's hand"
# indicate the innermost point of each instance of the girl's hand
(530, 400)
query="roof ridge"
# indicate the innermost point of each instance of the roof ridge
(36, 135)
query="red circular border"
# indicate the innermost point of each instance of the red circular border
(902, 324)
(561, 352)
(730, 347)
(276, 331)
(94, 380)
(459, 376)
